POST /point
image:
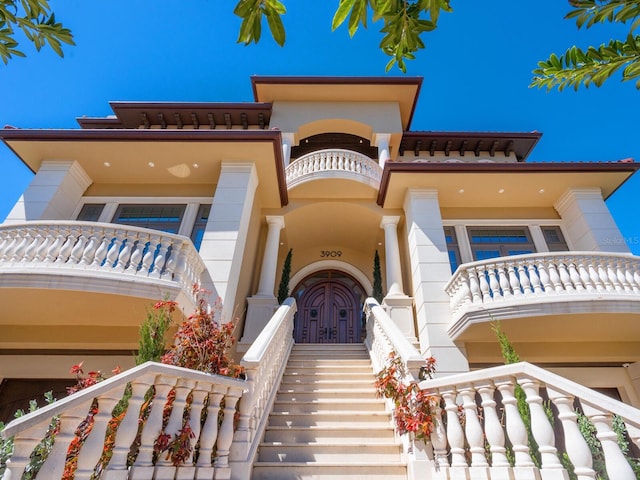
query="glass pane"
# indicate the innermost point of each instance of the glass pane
(486, 254)
(200, 224)
(166, 218)
(91, 212)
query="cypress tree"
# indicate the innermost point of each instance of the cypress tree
(377, 279)
(283, 288)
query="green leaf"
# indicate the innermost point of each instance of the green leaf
(277, 28)
(341, 13)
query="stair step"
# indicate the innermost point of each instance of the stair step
(334, 435)
(311, 393)
(331, 362)
(302, 453)
(328, 471)
(337, 404)
(329, 418)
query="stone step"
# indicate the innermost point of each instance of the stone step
(309, 393)
(331, 434)
(328, 471)
(328, 418)
(311, 374)
(338, 370)
(332, 362)
(302, 453)
(336, 404)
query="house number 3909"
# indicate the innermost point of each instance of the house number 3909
(330, 253)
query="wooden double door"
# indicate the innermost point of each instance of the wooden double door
(329, 311)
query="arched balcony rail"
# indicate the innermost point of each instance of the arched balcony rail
(101, 250)
(540, 278)
(333, 163)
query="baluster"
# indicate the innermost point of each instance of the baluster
(540, 427)
(493, 429)
(554, 276)
(484, 284)
(565, 278)
(316, 164)
(439, 439)
(634, 284)
(149, 255)
(594, 273)
(56, 245)
(78, 249)
(41, 252)
(65, 251)
(341, 162)
(616, 464)
(172, 257)
(143, 466)
(101, 252)
(90, 249)
(473, 430)
(114, 249)
(534, 278)
(69, 421)
(125, 251)
(5, 241)
(225, 434)
(503, 279)
(179, 265)
(612, 274)
(515, 426)
(472, 291)
(23, 444)
(455, 434)
(128, 429)
(209, 433)
(585, 276)
(574, 443)
(514, 282)
(523, 276)
(494, 284)
(621, 273)
(94, 443)
(137, 254)
(160, 258)
(21, 247)
(195, 415)
(32, 249)
(545, 280)
(575, 277)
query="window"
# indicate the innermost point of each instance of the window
(166, 218)
(200, 224)
(452, 247)
(554, 238)
(91, 212)
(492, 242)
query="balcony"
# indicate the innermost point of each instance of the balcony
(578, 295)
(334, 164)
(100, 258)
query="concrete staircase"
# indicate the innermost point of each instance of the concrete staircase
(327, 423)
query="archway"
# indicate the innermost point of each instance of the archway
(329, 308)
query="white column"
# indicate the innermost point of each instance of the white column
(225, 235)
(287, 143)
(270, 258)
(588, 222)
(53, 194)
(392, 255)
(430, 272)
(382, 140)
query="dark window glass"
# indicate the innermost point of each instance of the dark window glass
(166, 218)
(554, 238)
(90, 212)
(495, 242)
(452, 248)
(200, 224)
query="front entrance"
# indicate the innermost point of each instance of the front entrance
(329, 309)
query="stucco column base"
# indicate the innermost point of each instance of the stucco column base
(260, 309)
(400, 309)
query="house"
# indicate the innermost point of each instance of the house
(146, 203)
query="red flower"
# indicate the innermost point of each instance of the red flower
(77, 369)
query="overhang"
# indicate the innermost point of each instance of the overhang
(499, 184)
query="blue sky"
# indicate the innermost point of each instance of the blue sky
(476, 68)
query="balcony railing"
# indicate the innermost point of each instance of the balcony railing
(101, 251)
(479, 419)
(542, 278)
(334, 163)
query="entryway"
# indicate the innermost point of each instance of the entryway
(329, 308)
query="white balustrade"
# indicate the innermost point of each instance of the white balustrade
(264, 365)
(488, 401)
(332, 163)
(94, 406)
(532, 278)
(100, 248)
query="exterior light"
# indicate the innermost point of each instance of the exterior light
(151, 164)
(461, 191)
(541, 190)
(501, 190)
(107, 164)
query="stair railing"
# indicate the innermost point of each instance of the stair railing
(481, 419)
(84, 421)
(264, 365)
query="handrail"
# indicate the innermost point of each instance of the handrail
(264, 364)
(102, 248)
(94, 405)
(332, 162)
(461, 444)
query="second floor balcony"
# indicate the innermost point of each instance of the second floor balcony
(334, 164)
(577, 295)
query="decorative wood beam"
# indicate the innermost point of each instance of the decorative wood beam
(463, 147)
(477, 150)
(401, 148)
(432, 149)
(227, 120)
(195, 121)
(447, 147)
(509, 149)
(245, 122)
(145, 120)
(178, 120)
(212, 122)
(416, 149)
(492, 150)
(163, 122)
(261, 120)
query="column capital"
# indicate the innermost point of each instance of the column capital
(381, 139)
(275, 220)
(389, 220)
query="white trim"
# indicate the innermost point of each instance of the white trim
(332, 265)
